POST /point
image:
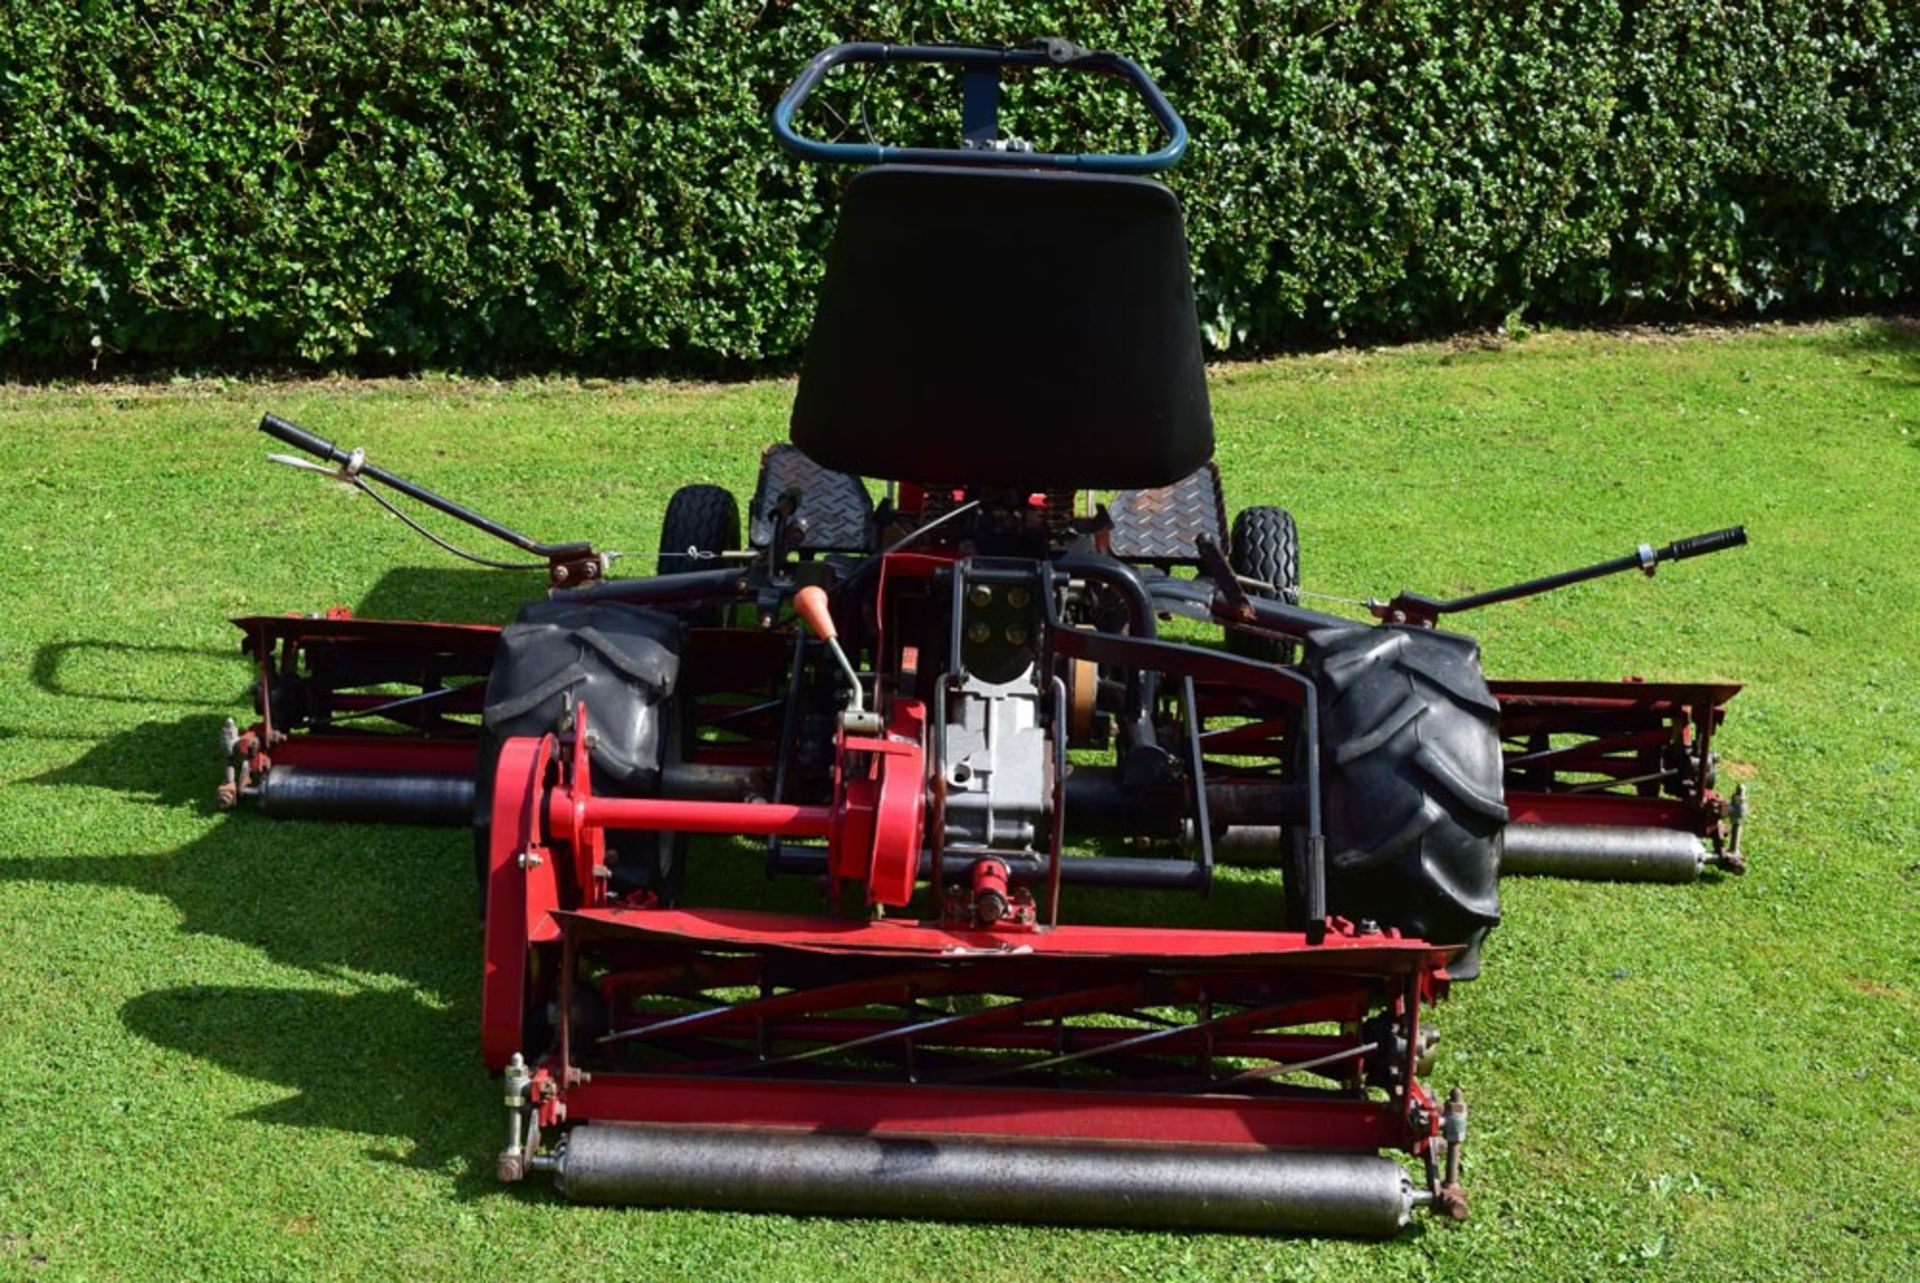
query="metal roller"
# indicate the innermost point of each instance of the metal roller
(972, 1178)
(1602, 852)
(371, 797)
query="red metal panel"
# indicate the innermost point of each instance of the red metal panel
(1383, 954)
(1611, 808)
(898, 763)
(400, 754)
(1613, 694)
(401, 633)
(1274, 1122)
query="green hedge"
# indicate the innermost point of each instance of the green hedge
(591, 183)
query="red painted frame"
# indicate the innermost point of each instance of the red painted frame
(548, 909)
(548, 905)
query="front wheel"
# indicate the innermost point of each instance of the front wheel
(701, 520)
(1264, 546)
(1414, 806)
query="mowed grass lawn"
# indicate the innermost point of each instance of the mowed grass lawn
(231, 1048)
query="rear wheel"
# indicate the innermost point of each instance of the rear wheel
(1264, 545)
(1414, 811)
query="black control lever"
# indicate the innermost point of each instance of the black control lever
(567, 562)
(1412, 608)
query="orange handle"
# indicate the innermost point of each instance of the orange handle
(810, 603)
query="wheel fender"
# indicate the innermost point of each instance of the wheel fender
(523, 890)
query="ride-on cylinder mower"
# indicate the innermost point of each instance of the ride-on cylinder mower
(928, 677)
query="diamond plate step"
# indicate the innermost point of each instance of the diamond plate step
(1163, 526)
(834, 505)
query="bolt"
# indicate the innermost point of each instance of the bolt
(978, 631)
(1018, 598)
(1451, 1200)
(529, 860)
(1429, 1042)
(980, 595)
(1016, 636)
(560, 574)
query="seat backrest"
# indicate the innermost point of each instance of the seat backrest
(1006, 327)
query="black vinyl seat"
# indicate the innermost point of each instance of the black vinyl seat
(1006, 327)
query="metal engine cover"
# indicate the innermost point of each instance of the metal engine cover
(997, 763)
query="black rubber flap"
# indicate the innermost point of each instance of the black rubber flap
(618, 659)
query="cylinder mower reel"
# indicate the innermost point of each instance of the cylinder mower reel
(923, 672)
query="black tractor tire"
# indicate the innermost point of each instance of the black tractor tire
(1413, 810)
(623, 662)
(703, 518)
(1264, 544)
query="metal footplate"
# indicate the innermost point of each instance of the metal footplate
(831, 511)
(1163, 526)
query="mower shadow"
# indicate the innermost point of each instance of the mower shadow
(167, 763)
(450, 593)
(62, 669)
(380, 1063)
(373, 1031)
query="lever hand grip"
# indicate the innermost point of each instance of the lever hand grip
(301, 439)
(1700, 545)
(810, 603)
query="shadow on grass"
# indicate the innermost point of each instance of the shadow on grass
(380, 1063)
(383, 1043)
(169, 763)
(453, 594)
(1886, 348)
(385, 916)
(55, 664)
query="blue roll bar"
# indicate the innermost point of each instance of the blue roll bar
(981, 63)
